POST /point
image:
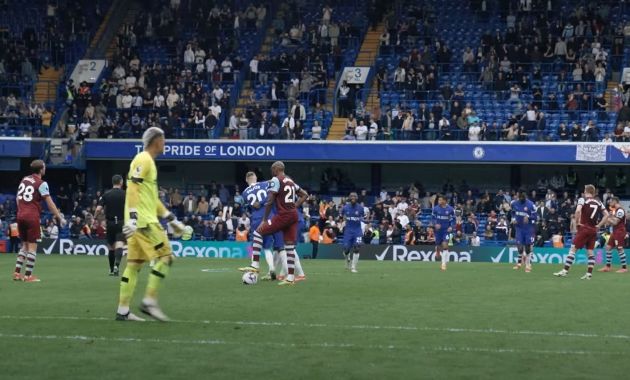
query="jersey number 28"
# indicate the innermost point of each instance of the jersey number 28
(25, 193)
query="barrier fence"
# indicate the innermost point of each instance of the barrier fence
(392, 253)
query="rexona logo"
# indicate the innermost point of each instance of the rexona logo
(75, 247)
(183, 250)
(510, 255)
(408, 253)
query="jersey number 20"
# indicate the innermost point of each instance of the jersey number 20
(25, 192)
(257, 197)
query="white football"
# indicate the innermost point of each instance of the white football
(250, 278)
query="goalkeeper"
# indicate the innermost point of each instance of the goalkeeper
(146, 239)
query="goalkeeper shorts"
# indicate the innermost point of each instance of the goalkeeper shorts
(148, 243)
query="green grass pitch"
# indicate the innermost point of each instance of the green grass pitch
(400, 320)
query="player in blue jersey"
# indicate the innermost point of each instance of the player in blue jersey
(255, 196)
(353, 214)
(442, 219)
(524, 219)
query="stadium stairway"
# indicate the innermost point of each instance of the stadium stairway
(337, 129)
(101, 29)
(369, 60)
(130, 16)
(46, 86)
(248, 87)
(367, 56)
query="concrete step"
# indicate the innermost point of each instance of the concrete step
(337, 128)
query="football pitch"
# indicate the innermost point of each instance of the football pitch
(394, 319)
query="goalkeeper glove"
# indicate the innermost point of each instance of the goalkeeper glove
(132, 225)
(176, 225)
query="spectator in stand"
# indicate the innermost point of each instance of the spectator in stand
(52, 230)
(361, 131)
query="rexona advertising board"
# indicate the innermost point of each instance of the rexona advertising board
(394, 253)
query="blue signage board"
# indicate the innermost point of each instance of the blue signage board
(370, 151)
(15, 147)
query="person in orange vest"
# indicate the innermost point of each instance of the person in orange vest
(241, 233)
(314, 236)
(14, 237)
(328, 235)
(557, 241)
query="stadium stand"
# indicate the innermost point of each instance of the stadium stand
(38, 40)
(495, 74)
(481, 212)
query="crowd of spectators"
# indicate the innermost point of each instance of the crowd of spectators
(28, 47)
(398, 215)
(538, 64)
(290, 84)
(16, 113)
(43, 42)
(188, 93)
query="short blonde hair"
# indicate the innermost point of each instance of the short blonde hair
(590, 189)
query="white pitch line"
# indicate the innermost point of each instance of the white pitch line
(350, 327)
(215, 342)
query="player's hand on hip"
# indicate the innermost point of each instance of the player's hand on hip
(130, 228)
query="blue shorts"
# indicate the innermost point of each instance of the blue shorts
(441, 236)
(275, 240)
(352, 238)
(525, 235)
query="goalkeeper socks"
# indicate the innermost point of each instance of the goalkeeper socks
(128, 283)
(118, 257)
(111, 257)
(269, 259)
(298, 266)
(622, 258)
(158, 273)
(21, 257)
(290, 262)
(256, 247)
(30, 263)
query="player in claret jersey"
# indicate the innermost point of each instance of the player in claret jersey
(616, 219)
(524, 218)
(31, 191)
(588, 212)
(287, 197)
